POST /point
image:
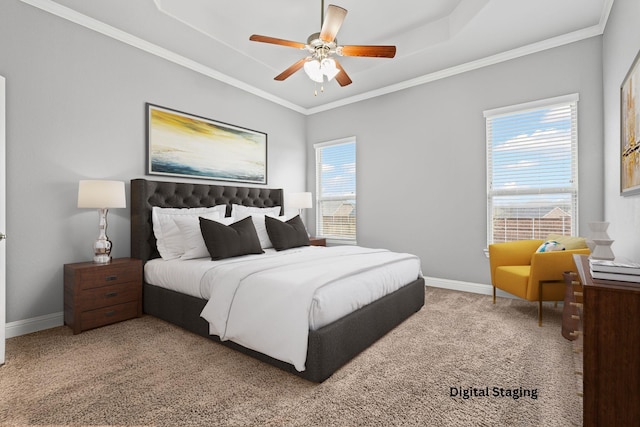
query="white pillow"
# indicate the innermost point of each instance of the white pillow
(241, 212)
(261, 228)
(194, 246)
(168, 238)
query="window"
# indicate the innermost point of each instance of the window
(532, 170)
(336, 189)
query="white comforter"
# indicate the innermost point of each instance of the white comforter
(264, 303)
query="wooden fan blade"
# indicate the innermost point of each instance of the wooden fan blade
(342, 78)
(332, 22)
(372, 51)
(289, 71)
(273, 40)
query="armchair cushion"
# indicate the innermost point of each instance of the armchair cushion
(513, 279)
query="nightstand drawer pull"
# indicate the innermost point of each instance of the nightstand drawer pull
(111, 278)
(109, 313)
(111, 294)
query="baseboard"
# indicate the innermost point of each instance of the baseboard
(40, 323)
(456, 285)
(34, 324)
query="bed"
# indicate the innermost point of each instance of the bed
(328, 348)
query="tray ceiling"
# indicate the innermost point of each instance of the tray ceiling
(434, 39)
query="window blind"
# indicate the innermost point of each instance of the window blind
(532, 170)
(336, 189)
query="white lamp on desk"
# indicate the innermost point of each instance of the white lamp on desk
(101, 195)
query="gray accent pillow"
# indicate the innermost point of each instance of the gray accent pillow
(226, 241)
(286, 235)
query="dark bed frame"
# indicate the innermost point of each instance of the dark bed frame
(329, 347)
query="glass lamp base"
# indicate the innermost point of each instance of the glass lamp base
(102, 251)
(102, 259)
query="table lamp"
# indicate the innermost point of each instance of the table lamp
(101, 195)
(300, 201)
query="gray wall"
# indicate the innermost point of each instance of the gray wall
(621, 44)
(75, 110)
(421, 167)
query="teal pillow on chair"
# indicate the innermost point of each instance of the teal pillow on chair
(551, 246)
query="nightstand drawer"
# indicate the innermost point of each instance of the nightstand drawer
(90, 299)
(112, 275)
(106, 315)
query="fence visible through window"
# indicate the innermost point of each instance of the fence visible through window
(508, 229)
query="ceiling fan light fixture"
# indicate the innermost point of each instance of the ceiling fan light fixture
(329, 69)
(312, 68)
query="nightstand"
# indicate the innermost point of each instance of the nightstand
(100, 294)
(317, 241)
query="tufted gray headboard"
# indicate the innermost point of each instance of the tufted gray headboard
(147, 194)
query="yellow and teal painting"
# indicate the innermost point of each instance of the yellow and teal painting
(184, 145)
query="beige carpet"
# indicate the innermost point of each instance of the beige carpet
(147, 372)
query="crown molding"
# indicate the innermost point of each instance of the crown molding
(110, 31)
(466, 67)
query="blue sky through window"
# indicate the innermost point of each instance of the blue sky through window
(531, 151)
(536, 152)
(338, 176)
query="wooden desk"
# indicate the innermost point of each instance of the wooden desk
(611, 360)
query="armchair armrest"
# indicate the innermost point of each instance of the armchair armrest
(550, 266)
(517, 252)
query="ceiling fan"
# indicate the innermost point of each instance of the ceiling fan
(322, 46)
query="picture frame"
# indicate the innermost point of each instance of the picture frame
(630, 131)
(184, 145)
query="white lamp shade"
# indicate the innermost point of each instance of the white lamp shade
(101, 194)
(300, 200)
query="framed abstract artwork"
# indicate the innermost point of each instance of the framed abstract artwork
(630, 131)
(188, 146)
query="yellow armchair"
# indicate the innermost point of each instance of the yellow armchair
(518, 269)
